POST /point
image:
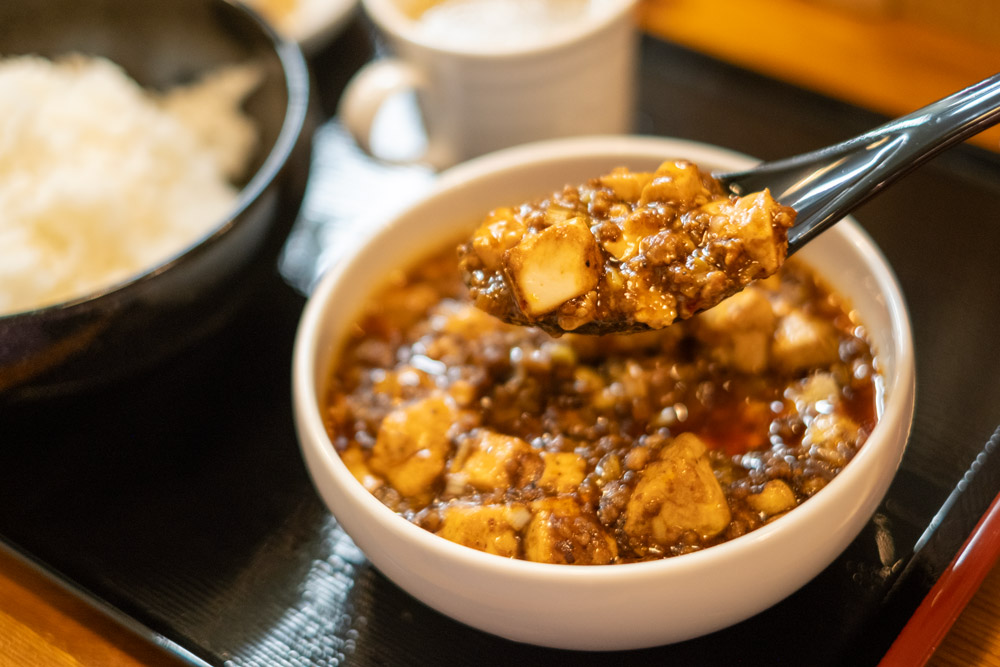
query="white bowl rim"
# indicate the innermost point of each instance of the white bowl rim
(308, 409)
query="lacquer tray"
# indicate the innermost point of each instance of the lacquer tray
(179, 502)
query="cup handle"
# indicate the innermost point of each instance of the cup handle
(368, 90)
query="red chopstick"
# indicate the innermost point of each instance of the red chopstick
(937, 612)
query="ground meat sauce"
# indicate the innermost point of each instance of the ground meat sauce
(592, 450)
(623, 252)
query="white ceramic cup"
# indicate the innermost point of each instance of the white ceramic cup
(479, 95)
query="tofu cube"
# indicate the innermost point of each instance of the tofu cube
(354, 459)
(802, 341)
(490, 461)
(737, 331)
(627, 185)
(490, 528)
(675, 182)
(560, 532)
(677, 493)
(753, 220)
(563, 472)
(412, 445)
(776, 497)
(551, 267)
(832, 437)
(500, 231)
(815, 394)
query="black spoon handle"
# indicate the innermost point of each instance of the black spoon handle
(827, 184)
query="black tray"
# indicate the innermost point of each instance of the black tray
(179, 501)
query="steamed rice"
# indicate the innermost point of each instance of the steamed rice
(101, 180)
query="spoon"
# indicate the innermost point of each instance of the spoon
(825, 185)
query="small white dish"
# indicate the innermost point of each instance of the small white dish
(609, 606)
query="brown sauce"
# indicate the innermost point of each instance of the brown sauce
(612, 449)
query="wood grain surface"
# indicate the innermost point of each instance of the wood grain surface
(875, 60)
(974, 639)
(44, 625)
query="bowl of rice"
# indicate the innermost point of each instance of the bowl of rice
(153, 155)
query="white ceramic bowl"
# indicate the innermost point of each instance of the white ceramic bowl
(611, 606)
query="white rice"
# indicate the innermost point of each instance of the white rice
(101, 180)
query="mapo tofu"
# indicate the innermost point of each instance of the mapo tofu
(599, 450)
(624, 251)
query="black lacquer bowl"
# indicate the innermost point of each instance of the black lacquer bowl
(104, 336)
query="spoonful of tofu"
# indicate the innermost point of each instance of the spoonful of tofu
(629, 251)
(623, 252)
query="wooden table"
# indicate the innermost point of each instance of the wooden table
(888, 65)
(43, 625)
